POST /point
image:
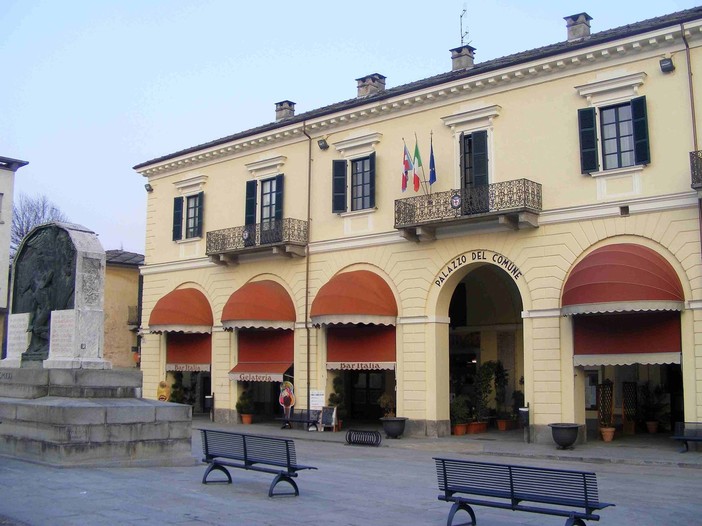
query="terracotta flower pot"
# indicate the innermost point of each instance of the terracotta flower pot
(477, 427)
(246, 419)
(459, 429)
(607, 433)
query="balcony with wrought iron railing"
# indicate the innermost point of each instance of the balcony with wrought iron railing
(286, 237)
(696, 169)
(515, 204)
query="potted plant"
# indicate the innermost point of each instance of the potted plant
(652, 404)
(481, 398)
(245, 407)
(459, 415)
(336, 399)
(393, 425)
(501, 376)
(605, 411)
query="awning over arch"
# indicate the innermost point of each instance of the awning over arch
(260, 305)
(264, 356)
(359, 296)
(182, 310)
(624, 277)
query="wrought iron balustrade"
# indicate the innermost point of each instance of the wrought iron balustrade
(696, 169)
(492, 199)
(239, 238)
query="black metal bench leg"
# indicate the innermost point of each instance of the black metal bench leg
(457, 506)
(574, 521)
(686, 448)
(211, 468)
(283, 478)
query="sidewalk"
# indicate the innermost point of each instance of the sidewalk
(639, 449)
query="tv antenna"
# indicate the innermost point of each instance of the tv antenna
(463, 33)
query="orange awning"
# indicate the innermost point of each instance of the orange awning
(188, 352)
(624, 277)
(182, 310)
(259, 304)
(364, 348)
(354, 297)
(263, 355)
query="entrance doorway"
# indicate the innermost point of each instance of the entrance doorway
(366, 388)
(486, 325)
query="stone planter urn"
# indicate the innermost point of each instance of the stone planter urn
(393, 426)
(564, 434)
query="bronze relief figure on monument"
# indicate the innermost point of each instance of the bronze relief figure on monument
(44, 281)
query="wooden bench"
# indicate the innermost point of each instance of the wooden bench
(687, 432)
(301, 416)
(571, 494)
(253, 452)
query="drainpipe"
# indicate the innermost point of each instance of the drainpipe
(307, 259)
(693, 116)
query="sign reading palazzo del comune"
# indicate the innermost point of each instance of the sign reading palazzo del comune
(476, 256)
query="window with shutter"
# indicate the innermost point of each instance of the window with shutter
(177, 218)
(623, 136)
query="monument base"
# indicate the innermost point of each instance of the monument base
(81, 417)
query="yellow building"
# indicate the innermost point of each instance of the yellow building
(561, 237)
(122, 283)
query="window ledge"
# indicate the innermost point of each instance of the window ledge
(188, 240)
(627, 170)
(356, 213)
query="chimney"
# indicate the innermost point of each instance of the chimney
(370, 84)
(284, 109)
(462, 57)
(578, 26)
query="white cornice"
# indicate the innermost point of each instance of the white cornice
(358, 145)
(653, 42)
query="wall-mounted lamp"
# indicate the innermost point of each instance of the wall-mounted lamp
(323, 144)
(667, 65)
(149, 188)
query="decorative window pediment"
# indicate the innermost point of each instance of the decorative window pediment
(358, 146)
(191, 185)
(612, 91)
(477, 119)
(266, 167)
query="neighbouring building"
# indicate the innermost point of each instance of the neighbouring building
(560, 237)
(122, 304)
(8, 168)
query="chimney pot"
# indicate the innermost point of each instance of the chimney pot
(462, 57)
(370, 84)
(578, 26)
(284, 109)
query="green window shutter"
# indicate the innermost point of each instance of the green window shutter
(588, 140)
(250, 211)
(200, 216)
(177, 218)
(480, 158)
(642, 153)
(338, 187)
(371, 183)
(279, 197)
(462, 160)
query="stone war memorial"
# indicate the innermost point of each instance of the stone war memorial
(61, 403)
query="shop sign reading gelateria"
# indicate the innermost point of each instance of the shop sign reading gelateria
(476, 256)
(187, 367)
(361, 366)
(256, 377)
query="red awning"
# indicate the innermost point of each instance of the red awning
(355, 297)
(263, 355)
(188, 352)
(361, 348)
(625, 339)
(622, 278)
(182, 310)
(259, 304)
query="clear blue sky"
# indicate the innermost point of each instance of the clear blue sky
(91, 88)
